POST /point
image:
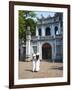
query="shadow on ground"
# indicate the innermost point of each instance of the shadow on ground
(58, 68)
(28, 70)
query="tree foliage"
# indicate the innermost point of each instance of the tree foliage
(24, 22)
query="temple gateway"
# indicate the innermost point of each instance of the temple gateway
(48, 40)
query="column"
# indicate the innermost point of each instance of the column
(52, 30)
(28, 48)
(54, 52)
(59, 29)
(39, 49)
(36, 31)
(28, 39)
(43, 30)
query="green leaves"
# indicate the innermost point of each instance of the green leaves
(24, 22)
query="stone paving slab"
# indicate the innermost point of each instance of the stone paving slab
(47, 70)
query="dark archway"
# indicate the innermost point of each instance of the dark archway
(56, 30)
(46, 51)
(48, 31)
(39, 30)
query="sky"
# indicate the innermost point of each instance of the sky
(44, 13)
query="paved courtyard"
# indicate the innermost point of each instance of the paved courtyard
(47, 69)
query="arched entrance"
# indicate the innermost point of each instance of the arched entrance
(46, 51)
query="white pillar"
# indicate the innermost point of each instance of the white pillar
(52, 30)
(39, 49)
(36, 31)
(53, 52)
(59, 29)
(28, 47)
(41, 52)
(43, 30)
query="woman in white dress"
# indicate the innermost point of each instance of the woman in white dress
(34, 62)
(37, 62)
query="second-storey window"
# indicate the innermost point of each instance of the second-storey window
(39, 30)
(47, 31)
(56, 30)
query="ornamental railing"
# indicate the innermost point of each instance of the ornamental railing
(46, 37)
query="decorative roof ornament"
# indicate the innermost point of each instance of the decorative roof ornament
(42, 17)
(49, 16)
(38, 18)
